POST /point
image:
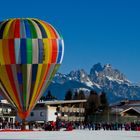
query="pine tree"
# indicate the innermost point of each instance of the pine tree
(43, 98)
(104, 102)
(75, 96)
(81, 95)
(49, 96)
(68, 95)
(92, 103)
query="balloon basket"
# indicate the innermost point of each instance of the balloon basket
(24, 125)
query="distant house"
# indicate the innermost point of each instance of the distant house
(128, 110)
(131, 112)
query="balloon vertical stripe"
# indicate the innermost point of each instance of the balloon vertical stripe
(11, 51)
(29, 51)
(32, 29)
(27, 29)
(23, 51)
(3, 24)
(17, 29)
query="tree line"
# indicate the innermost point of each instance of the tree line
(96, 102)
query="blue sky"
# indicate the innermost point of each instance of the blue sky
(106, 31)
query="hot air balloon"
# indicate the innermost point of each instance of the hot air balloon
(31, 52)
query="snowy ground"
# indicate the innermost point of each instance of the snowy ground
(71, 135)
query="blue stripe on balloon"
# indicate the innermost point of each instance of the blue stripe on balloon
(27, 28)
(59, 57)
(60, 45)
(23, 51)
(40, 50)
(34, 72)
(17, 50)
(59, 51)
(22, 29)
(19, 76)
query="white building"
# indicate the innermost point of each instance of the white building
(43, 113)
(71, 110)
(7, 112)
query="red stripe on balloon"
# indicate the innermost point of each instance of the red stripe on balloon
(17, 29)
(11, 30)
(54, 51)
(11, 79)
(11, 51)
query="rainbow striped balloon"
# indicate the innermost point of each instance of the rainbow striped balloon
(31, 52)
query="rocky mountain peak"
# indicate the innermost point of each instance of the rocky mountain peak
(96, 68)
(107, 66)
(98, 72)
(101, 78)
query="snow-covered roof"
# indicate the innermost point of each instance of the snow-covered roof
(137, 109)
(62, 102)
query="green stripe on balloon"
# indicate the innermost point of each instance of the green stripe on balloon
(53, 73)
(29, 51)
(32, 29)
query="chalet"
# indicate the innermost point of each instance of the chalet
(65, 110)
(131, 112)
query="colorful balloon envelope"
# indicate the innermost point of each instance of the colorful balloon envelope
(31, 52)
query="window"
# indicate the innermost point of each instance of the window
(5, 110)
(32, 114)
(41, 114)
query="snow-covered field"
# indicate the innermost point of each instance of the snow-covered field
(71, 135)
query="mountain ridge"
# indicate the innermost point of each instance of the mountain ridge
(100, 78)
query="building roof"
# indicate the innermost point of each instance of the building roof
(62, 102)
(137, 109)
(125, 104)
(43, 104)
(6, 105)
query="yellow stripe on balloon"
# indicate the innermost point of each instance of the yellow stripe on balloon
(42, 78)
(45, 69)
(36, 84)
(47, 50)
(5, 51)
(6, 29)
(5, 94)
(6, 82)
(1, 53)
(53, 35)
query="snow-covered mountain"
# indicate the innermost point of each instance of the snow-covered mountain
(101, 78)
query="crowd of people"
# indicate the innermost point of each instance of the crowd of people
(108, 126)
(68, 126)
